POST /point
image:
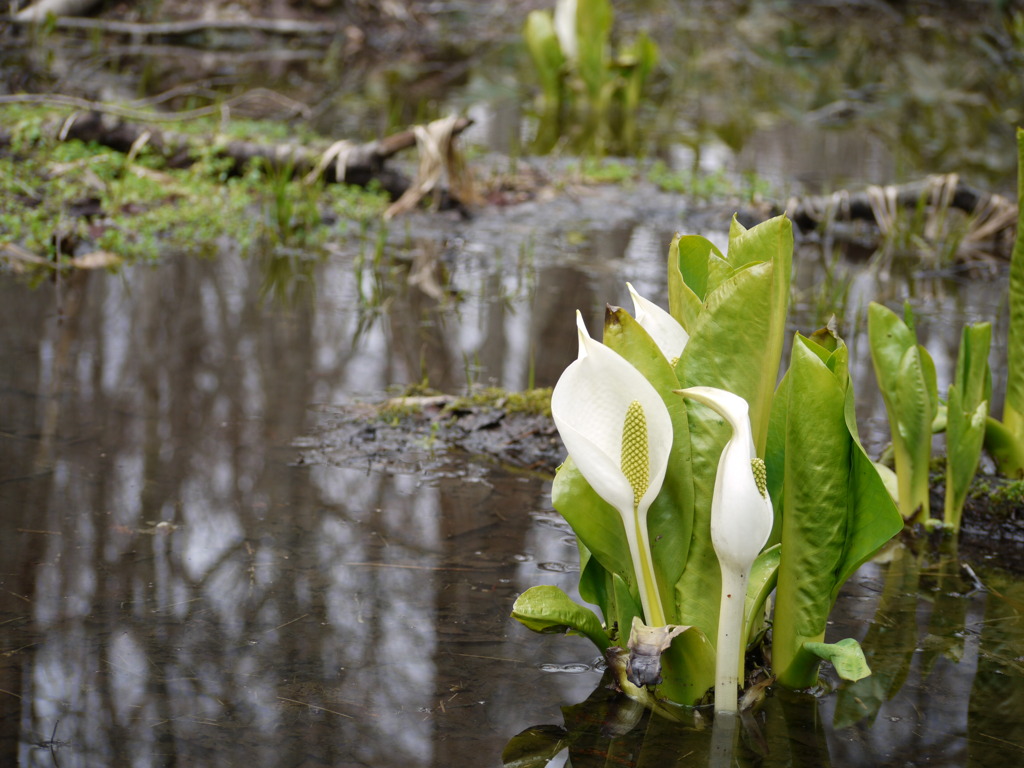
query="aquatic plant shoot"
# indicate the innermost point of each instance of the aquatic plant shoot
(696, 489)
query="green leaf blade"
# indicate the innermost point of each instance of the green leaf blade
(1013, 406)
(548, 609)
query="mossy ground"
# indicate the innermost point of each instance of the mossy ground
(66, 197)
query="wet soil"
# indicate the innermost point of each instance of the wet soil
(418, 432)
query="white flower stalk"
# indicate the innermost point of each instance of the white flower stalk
(664, 329)
(619, 434)
(741, 521)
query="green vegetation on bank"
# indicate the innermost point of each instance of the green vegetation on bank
(66, 197)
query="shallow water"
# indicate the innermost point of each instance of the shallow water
(192, 574)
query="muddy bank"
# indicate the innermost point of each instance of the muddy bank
(428, 432)
(443, 434)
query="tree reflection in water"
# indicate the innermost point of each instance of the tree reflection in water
(289, 614)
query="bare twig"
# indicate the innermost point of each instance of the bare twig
(191, 26)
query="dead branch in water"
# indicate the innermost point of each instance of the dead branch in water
(991, 217)
(342, 162)
(172, 29)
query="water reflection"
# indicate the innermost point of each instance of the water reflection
(178, 589)
(947, 675)
(179, 585)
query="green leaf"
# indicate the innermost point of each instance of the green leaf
(638, 59)
(596, 523)
(816, 482)
(736, 340)
(973, 376)
(836, 512)
(1004, 447)
(548, 609)
(966, 416)
(688, 668)
(846, 656)
(594, 27)
(906, 377)
(689, 260)
(1013, 406)
(764, 575)
(546, 52)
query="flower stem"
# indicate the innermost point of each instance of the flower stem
(650, 597)
(729, 663)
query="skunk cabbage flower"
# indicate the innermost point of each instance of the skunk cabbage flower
(741, 521)
(666, 331)
(565, 28)
(617, 430)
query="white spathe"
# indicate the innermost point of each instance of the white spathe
(664, 329)
(741, 515)
(741, 522)
(565, 28)
(590, 405)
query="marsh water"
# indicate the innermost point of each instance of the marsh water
(197, 570)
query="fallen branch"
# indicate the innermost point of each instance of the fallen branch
(990, 216)
(358, 164)
(171, 29)
(869, 204)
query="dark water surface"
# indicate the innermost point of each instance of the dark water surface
(193, 572)
(182, 584)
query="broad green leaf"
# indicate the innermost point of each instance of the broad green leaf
(973, 376)
(1013, 406)
(818, 449)
(771, 240)
(906, 378)
(736, 340)
(846, 656)
(594, 26)
(689, 259)
(965, 434)
(731, 347)
(670, 518)
(874, 519)
(1004, 447)
(596, 523)
(548, 609)
(688, 668)
(764, 575)
(546, 52)
(836, 512)
(697, 591)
